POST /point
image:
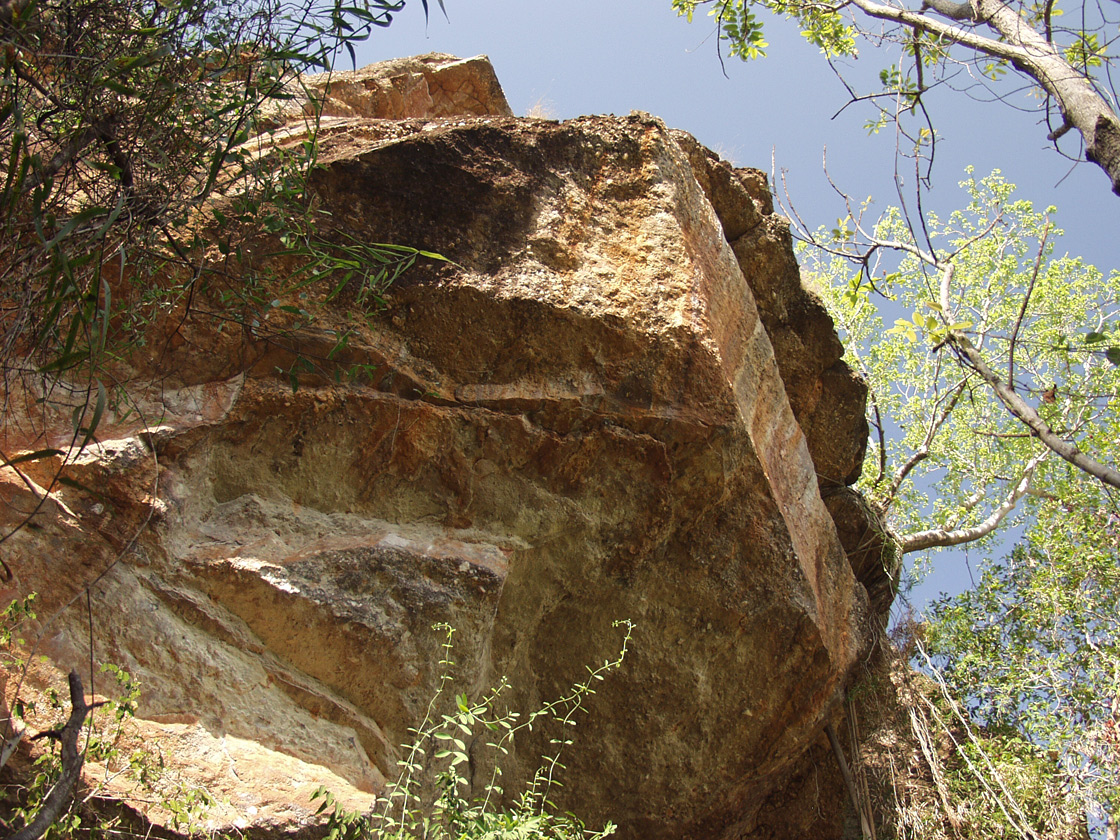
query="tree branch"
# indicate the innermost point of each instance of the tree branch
(72, 760)
(968, 353)
(882, 439)
(1029, 416)
(939, 537)
(922, 452)
(1032, 54)
(867, 832)
(1023, 307)
(951, 10)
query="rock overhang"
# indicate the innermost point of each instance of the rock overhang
(615, 402)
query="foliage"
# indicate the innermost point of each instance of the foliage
(108, 742)
(1033, 651)
(430, 797)
(317, 262)
(136, 141)
(939, 776)
(984, 49)
(946, 452)
(119, 120)
(738, 25)
(1035, 646)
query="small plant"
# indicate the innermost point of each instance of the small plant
(428, 800)
(101, 738)
(18, 611)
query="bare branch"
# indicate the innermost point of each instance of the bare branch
(1033, 55)
(11, 743)
(882, 439)
(1059, 131)
(1023, 306)
(972, 501)
(922, 452)
(939, 537)
(970, 355)
(867, 832)
(1029, 416)
(72, 761)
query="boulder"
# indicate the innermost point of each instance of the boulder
(613, 401)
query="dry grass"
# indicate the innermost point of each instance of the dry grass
(929, 773)
(542, 109)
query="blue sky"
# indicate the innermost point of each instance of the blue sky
(613, 56)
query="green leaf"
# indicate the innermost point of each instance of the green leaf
(98, 410)
(37, 455)
(64, 362)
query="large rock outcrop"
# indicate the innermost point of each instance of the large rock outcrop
(615, 402)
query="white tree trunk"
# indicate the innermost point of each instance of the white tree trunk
(1082, 108)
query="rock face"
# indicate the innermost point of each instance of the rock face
(616, 402)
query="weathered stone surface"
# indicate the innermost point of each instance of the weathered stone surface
(433, 85)
(827, 397)
(872, 552)
(591, 414)
(256, 791)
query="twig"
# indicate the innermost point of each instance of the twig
(1029, 416)
(922, 452)
(1023, 307)
(939, 537)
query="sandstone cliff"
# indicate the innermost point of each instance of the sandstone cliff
(616, 401)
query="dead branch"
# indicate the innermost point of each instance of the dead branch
(72, 761)
(849, 782)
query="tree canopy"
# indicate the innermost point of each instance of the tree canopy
(980, 45)
(1034, 646)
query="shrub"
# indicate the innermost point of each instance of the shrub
(428, 800)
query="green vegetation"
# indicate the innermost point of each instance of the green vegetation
(1032, 652)
(950, 463)
(104, 740)
(1034, 648)
(134, 186)
(118, 122)
(940, 776)
(141, 181)
(1067, 58)
(430, 799)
